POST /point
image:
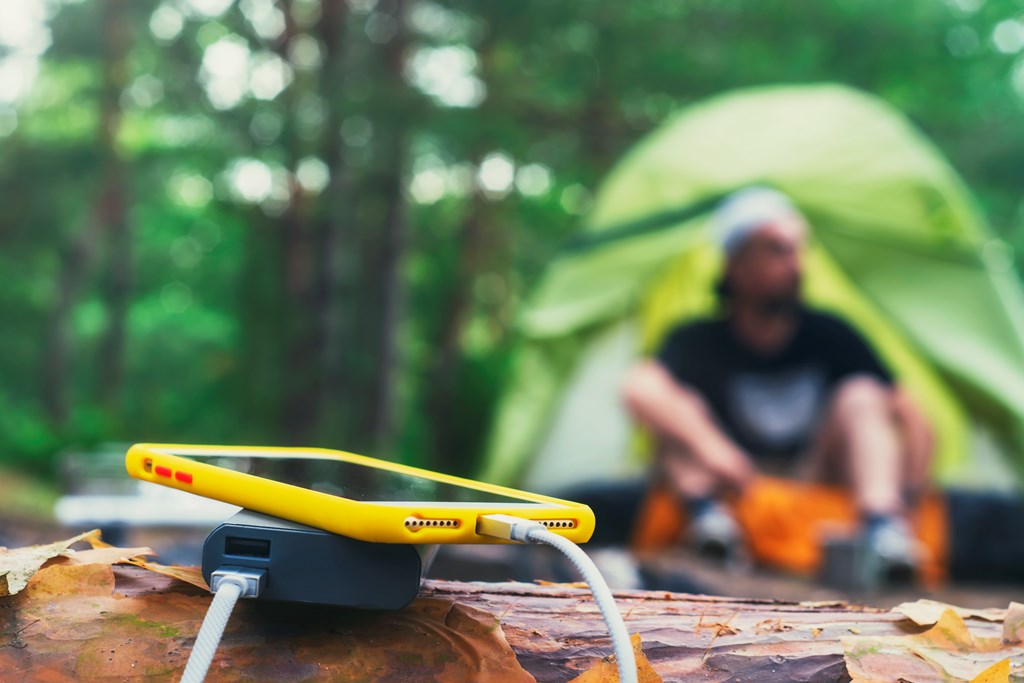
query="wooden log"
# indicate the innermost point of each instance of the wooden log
(90, 621)
(557, 629)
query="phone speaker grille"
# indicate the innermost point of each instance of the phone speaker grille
(416, 523)
(558, 523)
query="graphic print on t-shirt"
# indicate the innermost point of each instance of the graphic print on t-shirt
(778, 410)
(769, 404)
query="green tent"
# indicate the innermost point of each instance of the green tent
(898, 249)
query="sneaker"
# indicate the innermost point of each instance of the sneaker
(894, 554)
(714, 533)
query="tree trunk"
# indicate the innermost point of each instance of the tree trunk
(69, 624)
(108, 216)
(77, 258)
(391, 280)
(300, 410)
(113, 208)
(333, 230)
(441, 391)
(442, 388)
(393, 298)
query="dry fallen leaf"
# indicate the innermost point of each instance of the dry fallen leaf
(719, 628)
(61, 579)
(928, 612)
(952, 647)
(1013, 624)
(817, 604)
(997, 673)
(103, 553)
(19, 565)
(772, 626)
(192, 575)
(607, 670)
(948, 651)
(877, 660)
(107, 555)
(573, 584)
(950, 632)
(69, 624)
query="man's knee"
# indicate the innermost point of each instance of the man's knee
(862, 395)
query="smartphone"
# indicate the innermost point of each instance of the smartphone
(351, 495)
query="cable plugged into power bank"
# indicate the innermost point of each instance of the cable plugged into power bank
(240, 555)
(257, 556)
(512, 528)
(228, 585)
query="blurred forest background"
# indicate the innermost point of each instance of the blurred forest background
(311, 222)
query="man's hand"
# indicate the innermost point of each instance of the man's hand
(679, 415)
(733, 465)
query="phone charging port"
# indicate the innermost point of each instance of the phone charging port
(247, 547)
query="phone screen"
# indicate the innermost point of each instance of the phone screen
(350, 480)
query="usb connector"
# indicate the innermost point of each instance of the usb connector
(228, 584)
(250, 581)
(512, 528)
(507, 527)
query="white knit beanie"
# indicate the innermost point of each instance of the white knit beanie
(743, 212)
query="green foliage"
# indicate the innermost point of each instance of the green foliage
(374, 310)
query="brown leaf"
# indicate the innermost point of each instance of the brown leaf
(68, 625)
(61, 580)
(723, 629)
(18, 566)
(951, 632)
(997, 673)
(948, 651)
(772, 626)
(928, 612)
(573, 584)
(719, 628)
(817, 604)
(192, 575)
(1013, 624)
(607, 670)
(107, 555)
(878, 660)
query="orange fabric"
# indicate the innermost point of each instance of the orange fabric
(660, 523)
(786, 521)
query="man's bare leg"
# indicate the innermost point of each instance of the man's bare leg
(860, 446)
(864, 445)
(918, 442)
(711, 529)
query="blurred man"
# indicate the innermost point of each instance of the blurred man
(772, 386)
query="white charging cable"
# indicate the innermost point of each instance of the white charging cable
(228, 585)
(515, 529)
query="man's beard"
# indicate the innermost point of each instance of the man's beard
(780, 305)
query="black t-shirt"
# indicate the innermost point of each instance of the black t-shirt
(770, 405)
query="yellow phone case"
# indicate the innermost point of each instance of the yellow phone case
(379, 522)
